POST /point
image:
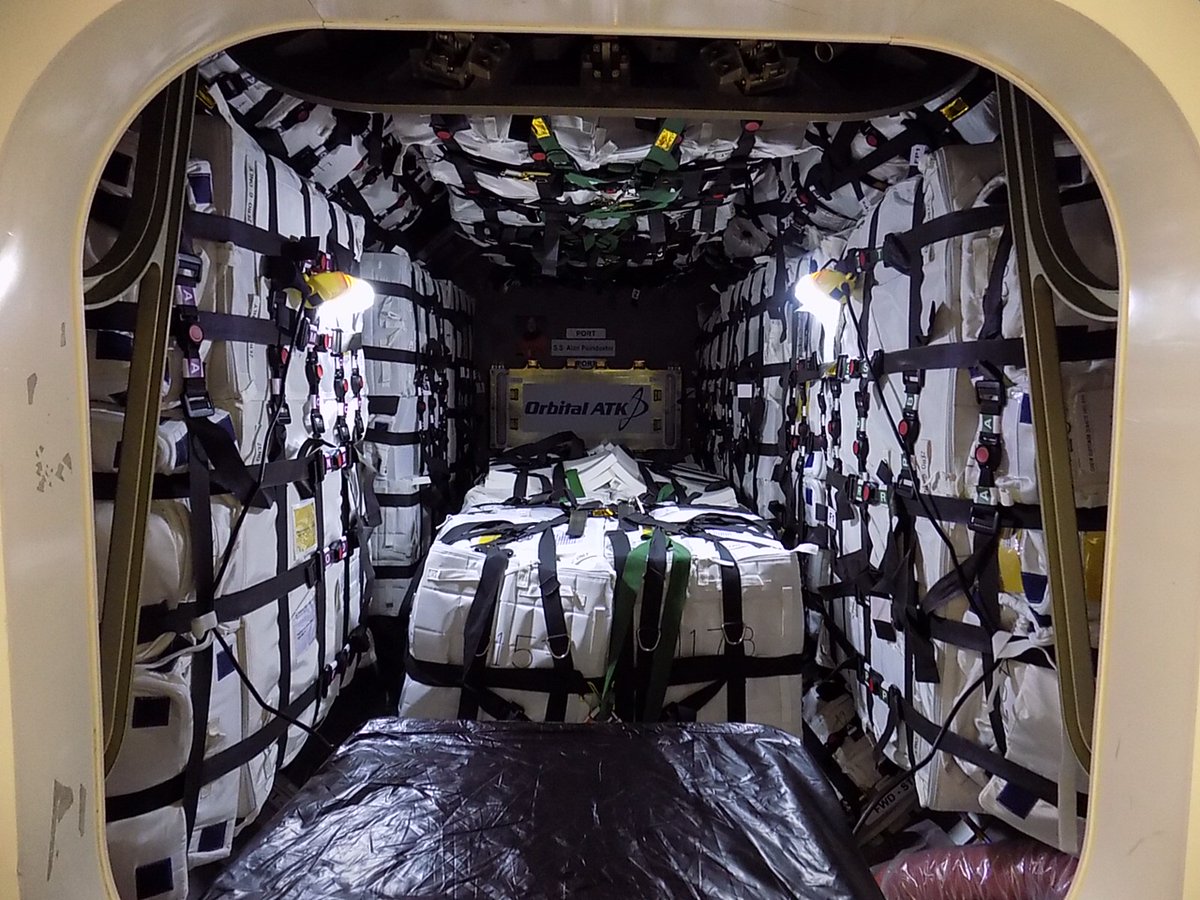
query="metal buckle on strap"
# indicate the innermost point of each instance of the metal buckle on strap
(984, 519)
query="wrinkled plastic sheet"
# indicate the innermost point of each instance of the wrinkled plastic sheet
(413, 808)
(1001, 871)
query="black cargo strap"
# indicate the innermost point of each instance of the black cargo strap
(558, 637)
(216, 326)
(477, 637)
(1076, 344)
(1018, 515)
(993, 763)
(173, 790)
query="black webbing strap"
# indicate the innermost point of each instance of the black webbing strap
(200, 515)
(227, 327)
(993, 763)
(378, 434)
(173, 790)
(399, 501)
(624, 688)
(1018, 515)
(733, 630)
(160, 619)
(1076, 344)
(648, 633)
(687, 670)
(558, 637)
(478, 629)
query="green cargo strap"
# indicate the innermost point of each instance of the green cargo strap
(668, 631)
(543, 134)
(648, 200)
(661, 157)
(575, 484)
(625, 595)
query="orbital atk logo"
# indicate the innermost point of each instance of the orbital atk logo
(623, 410)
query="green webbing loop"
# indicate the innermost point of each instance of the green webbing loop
(660, 156)
(575, 484)
(625, 595)
(668, 631)
(555, 154)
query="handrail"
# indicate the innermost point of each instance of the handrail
(150, 253)
(1047, 264)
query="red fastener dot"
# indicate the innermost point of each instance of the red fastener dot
(538, 155)
(866, 492)
(283, 354)
(872, 141)
(982, 455)
(345, 385)
(718, 196)
(854, 447)
(442, 134)
(302, 115)
(196, 333)
(830, 427)
(752, 126)
(320, 371)
(903, 428)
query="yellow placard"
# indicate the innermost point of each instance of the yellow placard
(487, 539)
(1010, 563)
(304, 527)
(666, 140)
(955, 108)
(541, 130)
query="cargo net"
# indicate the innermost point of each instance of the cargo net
(870, 397)
(578, 586)
(257, 583)
(593, 198)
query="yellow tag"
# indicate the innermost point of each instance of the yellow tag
(205, 97)
(487, 539)
(541, 130)
(304, 527)
(955, 108)
(1093, 565)
(603, 513)
(666, 140)
(1010, 563)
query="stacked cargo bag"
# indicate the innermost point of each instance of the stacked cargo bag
(279, 581)
(321, 144)
(569, 613)
(572, 190)
(396, 331)
(845, 167)
(937, 277)
(417, 347)
(558, 470)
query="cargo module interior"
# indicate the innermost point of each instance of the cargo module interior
(590, 380)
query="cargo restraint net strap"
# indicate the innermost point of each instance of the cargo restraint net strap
(895, 581)
(214, 467)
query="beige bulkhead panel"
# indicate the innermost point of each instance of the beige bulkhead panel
(1119, 76)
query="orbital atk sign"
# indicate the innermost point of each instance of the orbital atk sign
(599, 407)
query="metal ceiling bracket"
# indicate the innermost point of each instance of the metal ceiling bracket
(148, 247)
(1048, 266)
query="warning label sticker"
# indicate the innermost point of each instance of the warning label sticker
(304, 528)
(541, 130)
(304, 625)
(666, 139)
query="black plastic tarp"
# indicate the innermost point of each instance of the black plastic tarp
(410, 808)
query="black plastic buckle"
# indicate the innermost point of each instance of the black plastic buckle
(341, 430)
(984, 519)
(989, 393)
(316, 421)
(189, 268)
(909, 427)
(914, 381)
(196, 403)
